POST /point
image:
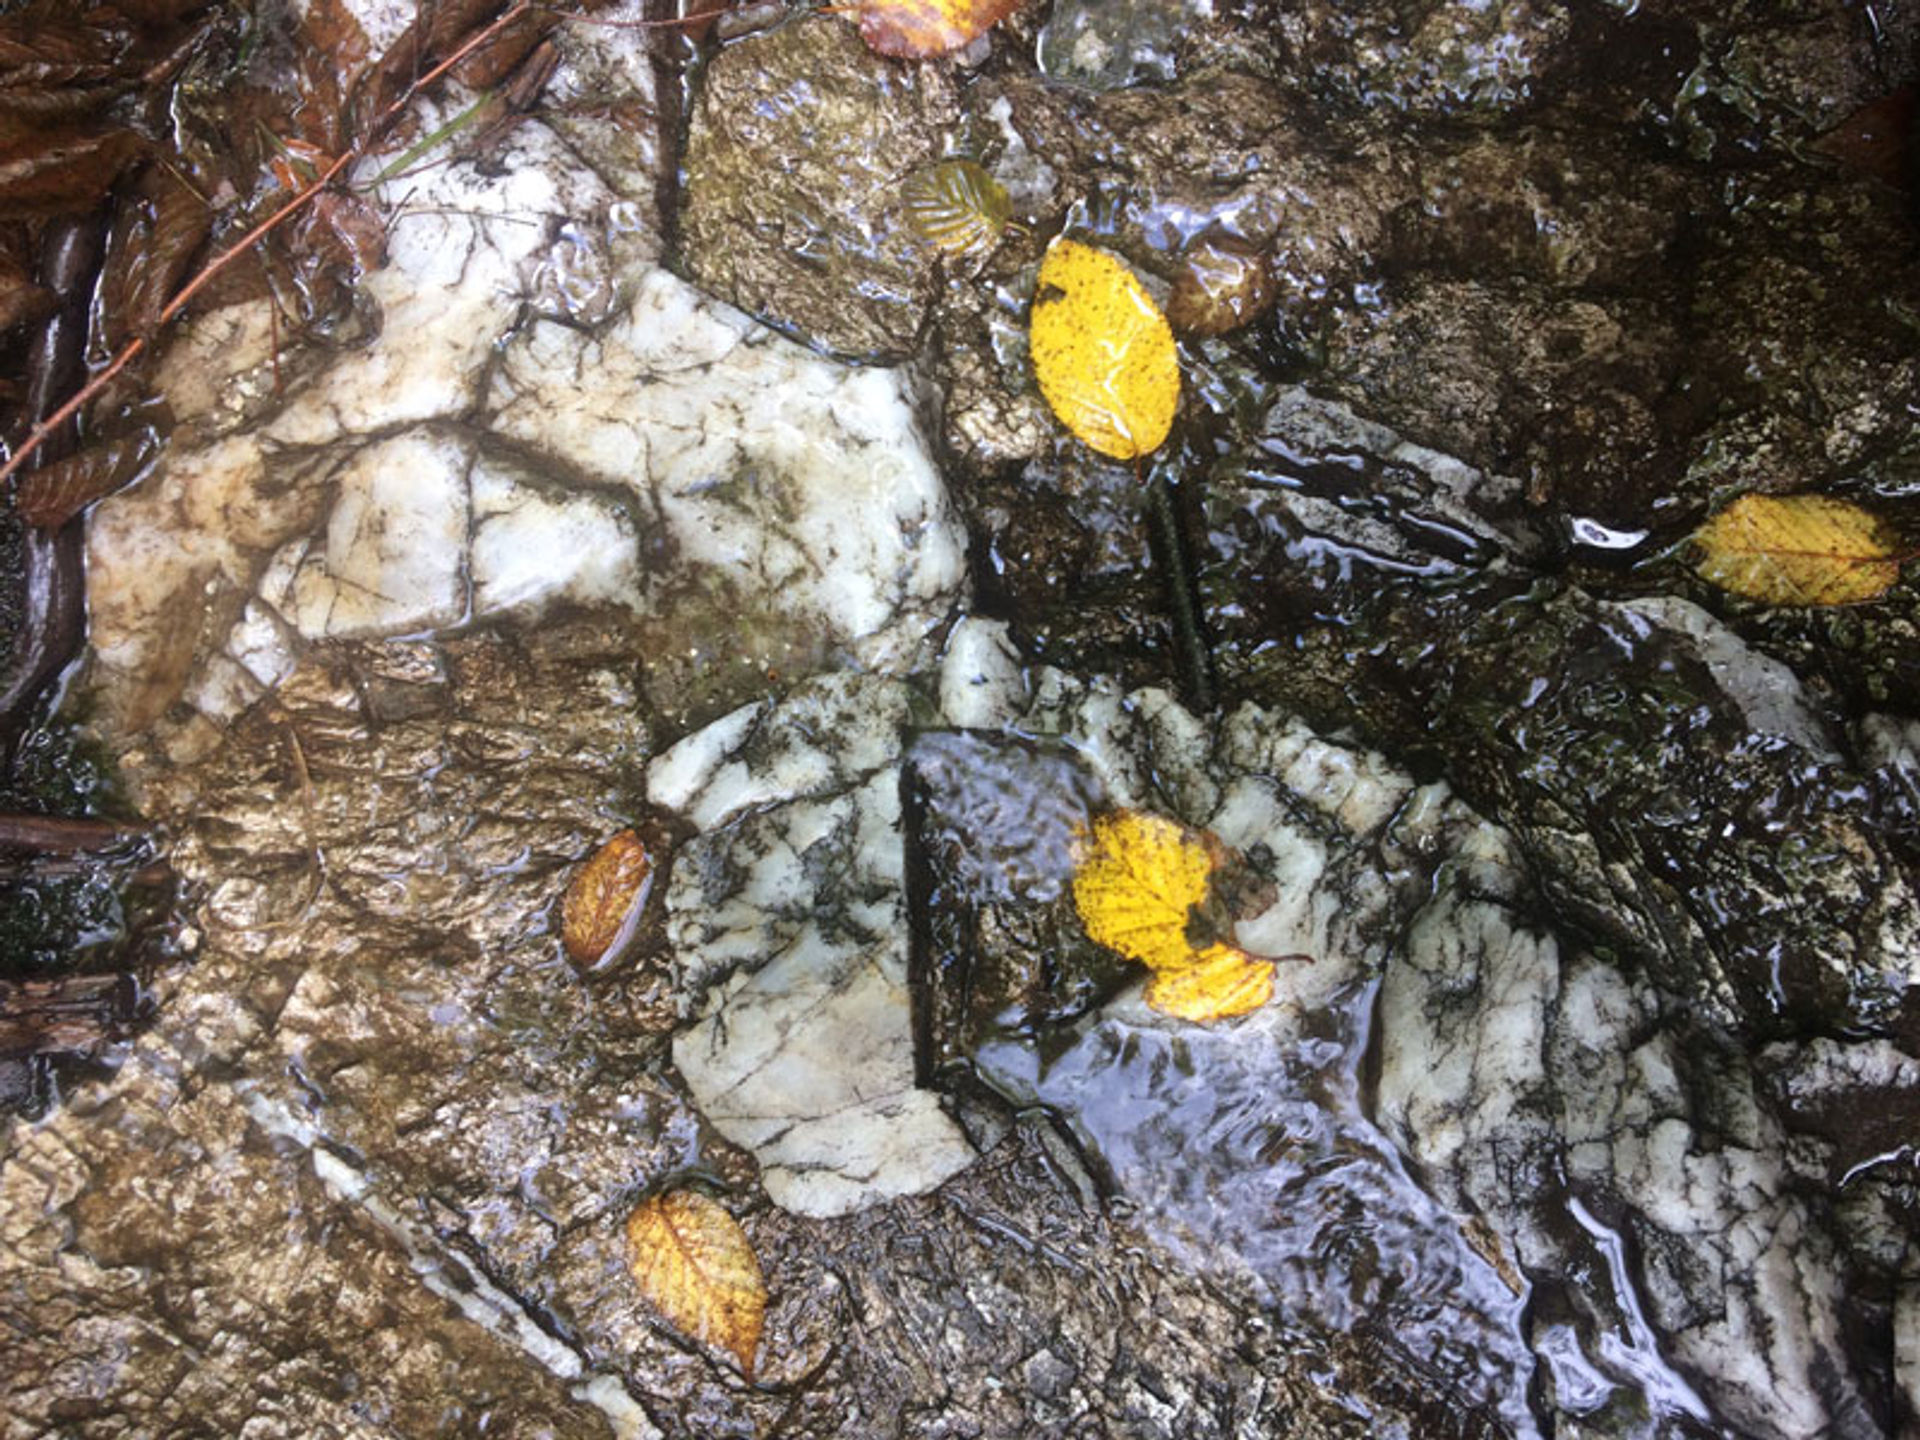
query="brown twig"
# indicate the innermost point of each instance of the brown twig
(41, 432)
(59, 834)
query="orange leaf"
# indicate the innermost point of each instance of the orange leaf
(694, 1264)
(603, 905)
(914, 28)
(1798, 550)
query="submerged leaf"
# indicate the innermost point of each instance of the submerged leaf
(1102, 352)
(1221, 982)
(1798, 550)
(1136, 885)
(914, 28)
(694, 1264)
(958, 206)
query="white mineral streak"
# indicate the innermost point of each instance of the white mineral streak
(472, 1293)
(788, 921)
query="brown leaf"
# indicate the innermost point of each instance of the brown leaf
(1798, 550)
(695, 1265)
(53, 62)
(916, 28)
(604, 903)
(436, 34)
(21, 301)
(157, 239)
(51, 496)
(333, 51)
(63, 170)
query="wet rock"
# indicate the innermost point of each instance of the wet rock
(1105, 46)
(628, 493)
(796, 149)
(1547, 706)
(1456, 62)
(1564, 1120)
(1534, 1084)
(790, 894)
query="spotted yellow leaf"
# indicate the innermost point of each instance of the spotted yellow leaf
(694, 1264)
(1136, 881)
(1798, 550)
(1221, 981)
(1102, 352)
(914, 28)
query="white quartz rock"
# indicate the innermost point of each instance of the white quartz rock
(787, 918)
(532, 547)
(805, 485)
(392, 558)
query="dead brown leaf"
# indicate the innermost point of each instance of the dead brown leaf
(54, 494)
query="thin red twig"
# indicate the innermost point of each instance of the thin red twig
(128, 352)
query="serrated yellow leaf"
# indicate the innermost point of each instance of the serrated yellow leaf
(1222, 981)
(1798, 550)
(1136, 882)
(694, 1264)
(1102, 352)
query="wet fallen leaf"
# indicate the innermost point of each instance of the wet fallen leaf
(1136, 883)
(63, 170)
(958, 206)
(1798, 550)
(915, 28)
(1102, 352)
(53, 495)
(158, 232)
(1221, 981)
(694, 1264)
(604, 902)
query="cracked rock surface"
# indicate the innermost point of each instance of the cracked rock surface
(1591, 1113)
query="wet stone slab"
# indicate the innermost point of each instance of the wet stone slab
(1542, 1140)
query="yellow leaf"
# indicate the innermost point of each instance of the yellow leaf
(1102, 352)
(1798, 550)
(1222, 981)
(915, 28)
(1137, 880)
(1135, 884)
(693, 1263)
